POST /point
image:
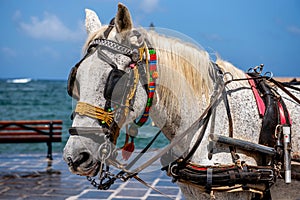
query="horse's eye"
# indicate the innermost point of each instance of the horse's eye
(91, 48)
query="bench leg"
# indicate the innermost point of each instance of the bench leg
(49, 154)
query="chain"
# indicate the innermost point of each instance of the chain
(105, 176)
(105, 182)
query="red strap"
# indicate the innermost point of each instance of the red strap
(282, 115)
(259, 102)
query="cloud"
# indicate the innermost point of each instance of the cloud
(212, 37)
(149, 6)
(8, 52)
(52, 53)
(17, 15)
(50, 27)
(294, 30)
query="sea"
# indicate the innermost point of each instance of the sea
(29, 99)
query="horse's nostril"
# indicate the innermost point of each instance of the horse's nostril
(84, 156)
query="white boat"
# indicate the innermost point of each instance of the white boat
(19, 80)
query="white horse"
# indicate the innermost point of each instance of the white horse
(187, 85)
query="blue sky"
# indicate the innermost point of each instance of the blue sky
(42, 39)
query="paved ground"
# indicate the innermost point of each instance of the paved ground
(25, 177)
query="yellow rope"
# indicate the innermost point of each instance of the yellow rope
(143, 50)
(132, 91)
(131, 94)
(95, 112)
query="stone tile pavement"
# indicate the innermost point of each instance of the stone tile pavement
(24, 176)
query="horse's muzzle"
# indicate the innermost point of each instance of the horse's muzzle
(83, 151)
(83, 165)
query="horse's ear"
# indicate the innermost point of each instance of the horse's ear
(92, 22)
(123, 20)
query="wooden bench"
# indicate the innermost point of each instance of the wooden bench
(31, 131)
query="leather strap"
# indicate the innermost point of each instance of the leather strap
(151, 187)
(109, 28)
(282, 87)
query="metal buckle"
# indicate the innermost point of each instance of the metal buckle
(173, 169)
(264, 177)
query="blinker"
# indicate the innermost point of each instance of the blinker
(113, 79)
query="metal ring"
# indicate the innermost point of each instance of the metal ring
(258, 69)
(250, 70)
(230, 77)
(278, 129)
(104, 151)
(270, 75)
(171, 170)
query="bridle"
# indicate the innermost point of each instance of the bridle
(142, 68)
(123, 98)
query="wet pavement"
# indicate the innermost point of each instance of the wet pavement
(28, 176)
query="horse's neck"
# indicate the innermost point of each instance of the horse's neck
(185, 83)
(183, 65)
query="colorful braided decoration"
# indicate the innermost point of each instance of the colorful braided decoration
(132, 132)
(153, 75)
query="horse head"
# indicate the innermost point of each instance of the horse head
(105, 83)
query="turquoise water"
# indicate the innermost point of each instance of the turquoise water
(45, 99)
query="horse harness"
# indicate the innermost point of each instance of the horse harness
(236, 177)
(274, 142)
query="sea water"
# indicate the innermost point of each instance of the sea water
(28, 99)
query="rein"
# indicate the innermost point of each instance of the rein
(192, 129)
(125, 174)
(239, 176)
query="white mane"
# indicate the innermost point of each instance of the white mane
(188, 61)
(180, 59)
